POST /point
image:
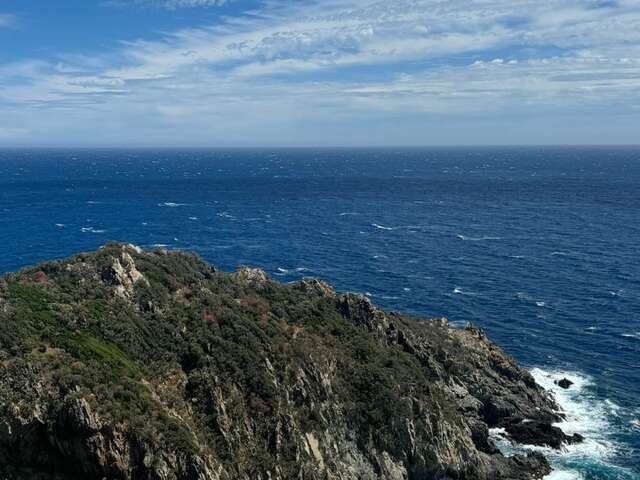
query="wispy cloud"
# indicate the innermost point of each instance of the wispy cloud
(314, 70)
(168, 4)
(7, 20)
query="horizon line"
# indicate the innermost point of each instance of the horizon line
(314, 147)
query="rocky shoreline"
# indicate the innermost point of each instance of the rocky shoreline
(129, 364)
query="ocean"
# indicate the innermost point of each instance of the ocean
(537, 245)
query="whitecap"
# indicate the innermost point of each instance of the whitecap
(476, 239)
(59, 225)
(460, 291)
(193, 218)
(345, 214)
(406, 289)
(381, 227)
(282, 270)
(91, 230)
(171, 204)
(159, 245)
(525, 297)
(635, 335)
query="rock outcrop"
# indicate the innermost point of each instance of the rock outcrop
(127, 364)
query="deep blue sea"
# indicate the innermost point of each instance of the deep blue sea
(539, 246)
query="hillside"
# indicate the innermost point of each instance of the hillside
(128, 364)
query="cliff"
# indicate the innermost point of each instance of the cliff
(127, 364)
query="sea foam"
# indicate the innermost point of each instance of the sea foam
(590, 416)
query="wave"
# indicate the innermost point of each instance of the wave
(476, 239)
(287, 271)
(586, 414)
(524, 297)
(171, 204)
(635, 335)
(381, 227)
(345, 214)
(60, 225)
(460, 291)
(91, 230)
(564, 475)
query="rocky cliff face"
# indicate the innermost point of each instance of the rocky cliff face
(127, 364)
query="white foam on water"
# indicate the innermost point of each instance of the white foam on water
(476, 239)
(585, 414)
(564, 475)
(460, 291)
(171, 204)
(91, 230)
(635, 335)
(381, 227)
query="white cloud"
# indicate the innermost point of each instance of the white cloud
(303, 70)
(168, 4)
(7, 21)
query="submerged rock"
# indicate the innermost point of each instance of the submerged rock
(153, 365)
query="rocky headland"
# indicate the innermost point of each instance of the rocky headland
(127, 364)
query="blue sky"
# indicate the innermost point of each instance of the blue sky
(323, 72)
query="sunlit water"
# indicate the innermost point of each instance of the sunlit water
(539, 246)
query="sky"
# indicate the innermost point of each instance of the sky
(221, 73)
